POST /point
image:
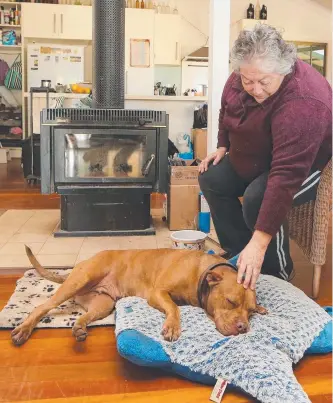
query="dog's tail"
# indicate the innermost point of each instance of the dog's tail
(56, 278)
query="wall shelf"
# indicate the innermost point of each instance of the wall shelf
(9, 25)
(10, 46)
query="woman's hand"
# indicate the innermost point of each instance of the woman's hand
(251, 259)
(215, 157)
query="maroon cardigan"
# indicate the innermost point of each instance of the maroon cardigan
(287, 135)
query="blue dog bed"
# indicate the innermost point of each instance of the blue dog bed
(203, 355)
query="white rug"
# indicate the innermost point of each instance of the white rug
(32, 290)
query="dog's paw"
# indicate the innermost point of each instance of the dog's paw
(261, 310)
(80, 332)
(171, 330)
(20, 335)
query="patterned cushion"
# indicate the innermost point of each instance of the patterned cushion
(259, 362)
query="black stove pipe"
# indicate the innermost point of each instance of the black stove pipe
(108, 53)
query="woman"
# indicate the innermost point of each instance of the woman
(275, 129)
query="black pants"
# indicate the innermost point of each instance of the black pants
(234, 223)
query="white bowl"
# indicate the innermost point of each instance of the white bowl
(188, 239)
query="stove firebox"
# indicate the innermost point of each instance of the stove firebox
(105, 162)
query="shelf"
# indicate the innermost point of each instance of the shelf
(55, 95)
(166, 98)
(11, 3)
(127, 97)
(10, 46)
(9, 25)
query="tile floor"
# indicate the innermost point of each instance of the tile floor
(35, 228)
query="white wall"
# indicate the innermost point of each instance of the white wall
(180, 113)
(301, 20)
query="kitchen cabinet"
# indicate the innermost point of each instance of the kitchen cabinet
(167, 46)
(56, 21)
(139, 24)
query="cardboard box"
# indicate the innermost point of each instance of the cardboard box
(199, 137)
(182, 206)
(184, 175)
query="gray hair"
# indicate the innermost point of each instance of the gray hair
(265, 44)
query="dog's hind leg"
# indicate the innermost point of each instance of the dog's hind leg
(76, 281)
(98, 306)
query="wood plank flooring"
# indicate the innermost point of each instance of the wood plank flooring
(53, 368)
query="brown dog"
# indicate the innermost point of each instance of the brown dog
(164, 277)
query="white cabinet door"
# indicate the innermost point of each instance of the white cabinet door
(139, 24)
(56, 21)
(40, 20)
(167, 40)
(75, 22)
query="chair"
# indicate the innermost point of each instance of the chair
(308, 226)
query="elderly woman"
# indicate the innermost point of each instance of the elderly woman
(275, 137)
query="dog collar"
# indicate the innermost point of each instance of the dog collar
(203, 285)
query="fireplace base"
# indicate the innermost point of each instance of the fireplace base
(59, 233)
(105, 211)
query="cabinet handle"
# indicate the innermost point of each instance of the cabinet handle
(176, 50)
(62, 23)
(54, 23)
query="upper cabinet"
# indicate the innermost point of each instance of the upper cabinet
(167, 46)
(57, 21)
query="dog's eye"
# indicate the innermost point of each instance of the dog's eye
(231, 302)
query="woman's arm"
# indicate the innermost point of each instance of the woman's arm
(298, 130)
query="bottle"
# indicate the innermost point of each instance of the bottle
(17, 18)
(263, 12)
(12, 16)
(250, 12)
(2, 20)
(142, 4)
(204, 214)
(137, 4)
(257, 11)
(167, 8)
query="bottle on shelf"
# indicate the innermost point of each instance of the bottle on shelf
(150, 5)
(250, 12)
(263, 12)
(257, 11)
(167, 8)
(137, 4)
(142, 4)
(2, 17)
(17, 17)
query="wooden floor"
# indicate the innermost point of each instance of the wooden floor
(53, 367)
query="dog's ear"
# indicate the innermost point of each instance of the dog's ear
(261, 310)
(214, 278)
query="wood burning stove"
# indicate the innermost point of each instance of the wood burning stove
(105, 162)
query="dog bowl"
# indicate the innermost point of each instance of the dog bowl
(188, 239)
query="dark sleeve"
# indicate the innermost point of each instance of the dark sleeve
(298, 129)
(223, 135)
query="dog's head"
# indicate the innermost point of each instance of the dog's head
(228, 303)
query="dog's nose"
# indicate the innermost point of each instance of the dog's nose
(241, 327)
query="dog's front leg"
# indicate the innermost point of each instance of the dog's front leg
(162, 301)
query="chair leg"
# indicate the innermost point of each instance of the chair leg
(316, 281)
